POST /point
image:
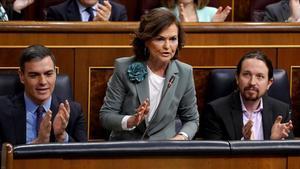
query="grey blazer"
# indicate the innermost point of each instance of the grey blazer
(123, 97)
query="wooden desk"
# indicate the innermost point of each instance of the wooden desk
(156, 155)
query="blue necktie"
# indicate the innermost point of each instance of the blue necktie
(91, 13)
(39, 116)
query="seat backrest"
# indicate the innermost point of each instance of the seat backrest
(222, 82)
(10, 84)
(257, 9)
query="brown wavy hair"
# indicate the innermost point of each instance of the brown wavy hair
(150, 26)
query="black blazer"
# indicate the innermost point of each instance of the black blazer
(69, 11)
(277, 12)
(223, 118)
(13, 120)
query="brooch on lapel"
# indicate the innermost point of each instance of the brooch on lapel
(137, 72)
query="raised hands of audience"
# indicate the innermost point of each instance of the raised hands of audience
(61, 120)
(140, 115)
(295, 11)
(281, 130)
(182, 14)
(45, 129)
(21, 4)
(247, 130)
(103, 11)
(221, 14)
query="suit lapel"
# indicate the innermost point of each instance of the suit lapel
(73, 11)
(237, 117)
(19, 115)
(172, 70)
(286, 10)
(267, 118)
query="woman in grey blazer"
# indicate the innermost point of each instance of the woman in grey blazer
(150, 89)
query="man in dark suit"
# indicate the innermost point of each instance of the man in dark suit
(87, 10)
(37, 115)
(248, 114)
(283, 11)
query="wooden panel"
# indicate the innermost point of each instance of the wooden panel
(86, 58)
(293, 162)
(219, 56)
(295, 96)
(156, 162)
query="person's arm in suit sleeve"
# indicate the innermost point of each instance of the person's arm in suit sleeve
(211, 128)
(269, 15)
(123, 14)
(77, 131)
(53, 15)
(188, 109)
(110, 115)
(119, 13)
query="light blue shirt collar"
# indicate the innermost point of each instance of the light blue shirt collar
(31, 106)
(83, 13)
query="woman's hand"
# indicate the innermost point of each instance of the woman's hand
(141, 112)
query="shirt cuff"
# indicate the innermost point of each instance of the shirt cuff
(184, 134)
(124, 123)
(66, 138)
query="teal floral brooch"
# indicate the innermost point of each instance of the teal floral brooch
(137, 72)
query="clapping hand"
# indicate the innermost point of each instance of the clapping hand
(295, 11)
(247, 130)
(141, 112)
(21, 4)
(281, 130)
(61, 120)
(45, 129)
(221, 14)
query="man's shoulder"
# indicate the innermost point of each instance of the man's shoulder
(275, 102)
(116, 4)
(274, 6)
(61, 6)
(223, 101)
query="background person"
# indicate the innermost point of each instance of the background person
(196, 11)
(14, 11)
(87, 10)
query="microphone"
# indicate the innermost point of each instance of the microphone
(170, 83)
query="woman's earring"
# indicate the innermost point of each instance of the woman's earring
(146, 53)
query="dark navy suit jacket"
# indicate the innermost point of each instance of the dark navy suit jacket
(13, 120)
(69, 11)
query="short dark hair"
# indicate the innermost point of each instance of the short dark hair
(256, 55)
(35, 52)
(151, 25)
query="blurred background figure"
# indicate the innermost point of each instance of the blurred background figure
(283, 11)
(196, 11)
(87, 10)
(12, 10)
